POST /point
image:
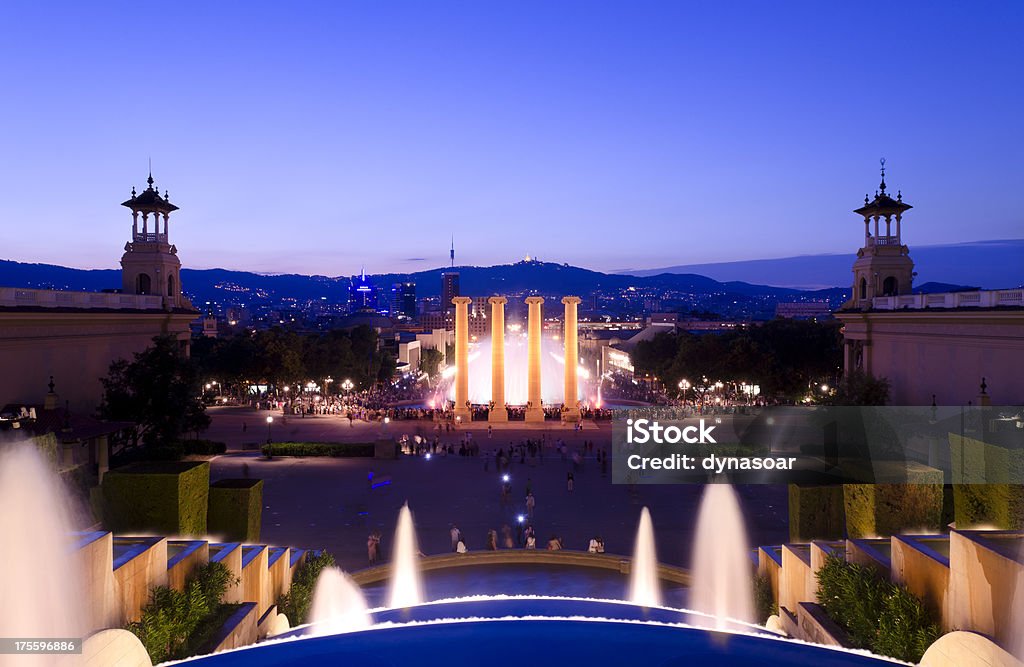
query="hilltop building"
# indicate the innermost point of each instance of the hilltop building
(74, 336)
(930, 347)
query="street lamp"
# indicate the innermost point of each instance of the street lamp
(684, 384)
(270, 420)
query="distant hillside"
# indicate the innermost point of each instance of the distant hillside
(987, 264)
(550, 278)
(546, 278)
(205, 284)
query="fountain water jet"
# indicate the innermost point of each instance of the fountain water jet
(40, 585)
(338, 604)
(406, 589)
(643, 578)
(722, 584)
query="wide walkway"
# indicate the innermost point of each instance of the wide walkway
(336, 503)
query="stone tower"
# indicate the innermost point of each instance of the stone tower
(883, 266)
(150, 264)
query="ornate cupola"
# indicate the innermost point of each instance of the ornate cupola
(150, 264)
(883, 266)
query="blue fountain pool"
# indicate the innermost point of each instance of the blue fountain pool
(518, 631)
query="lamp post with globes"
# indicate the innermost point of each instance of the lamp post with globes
(684, 384)
(270, 420)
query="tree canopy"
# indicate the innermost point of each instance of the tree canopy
(278, 357)
(159, 391)
(783, 356)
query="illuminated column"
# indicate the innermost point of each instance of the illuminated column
(462, 358)
(570, 409)
(498, 413)
(534, 410)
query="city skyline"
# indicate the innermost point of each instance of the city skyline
(318, 142)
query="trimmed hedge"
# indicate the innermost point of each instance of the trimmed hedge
(48, 447)
(338, 449)
(816, 512)
(162, 497)
(886, 509)
(236, 509)
(986, 497)
(878, 614)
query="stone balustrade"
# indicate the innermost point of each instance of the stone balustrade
(16, 297)
(978, 299)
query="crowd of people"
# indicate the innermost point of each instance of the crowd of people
(519, 530)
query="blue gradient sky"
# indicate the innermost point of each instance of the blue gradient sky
(317, 137)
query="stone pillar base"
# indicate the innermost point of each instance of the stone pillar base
(571, 414)
(463, 416)
(534, 414)
(498, 415)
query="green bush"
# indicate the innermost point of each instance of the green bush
(877, 614)
(236, 509)
(340, 449)
(172, 619)
(764, 599)
(160, 497)
(295, 603)
(204, 447)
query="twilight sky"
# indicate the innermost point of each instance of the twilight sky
(318, 137)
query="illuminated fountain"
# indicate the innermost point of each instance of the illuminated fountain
(573, 630)
(552, 371)
(338, 604)
(643, 580)
(40, 589)
(722, 584)
(406, 588)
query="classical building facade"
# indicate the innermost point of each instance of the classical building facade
(930, 347)
(74, 336)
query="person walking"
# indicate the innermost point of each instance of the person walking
(570, 481)
(371, 548)
(530, 504)
(492, 540)
(456, 536)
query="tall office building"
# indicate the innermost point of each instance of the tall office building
(362, 294)
(403, 300)
(449, 288)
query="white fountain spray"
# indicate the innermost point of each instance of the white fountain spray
(40, 584)
(643, 578)
(722, 582)
(338, 604)
(406, 589)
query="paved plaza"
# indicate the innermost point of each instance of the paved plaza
(335, 503)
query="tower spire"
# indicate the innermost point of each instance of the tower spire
(451, 253)
(882, 186)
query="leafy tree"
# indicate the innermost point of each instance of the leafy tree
(782, 356)
(160, 392)
(430, 362)
(859, 388)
